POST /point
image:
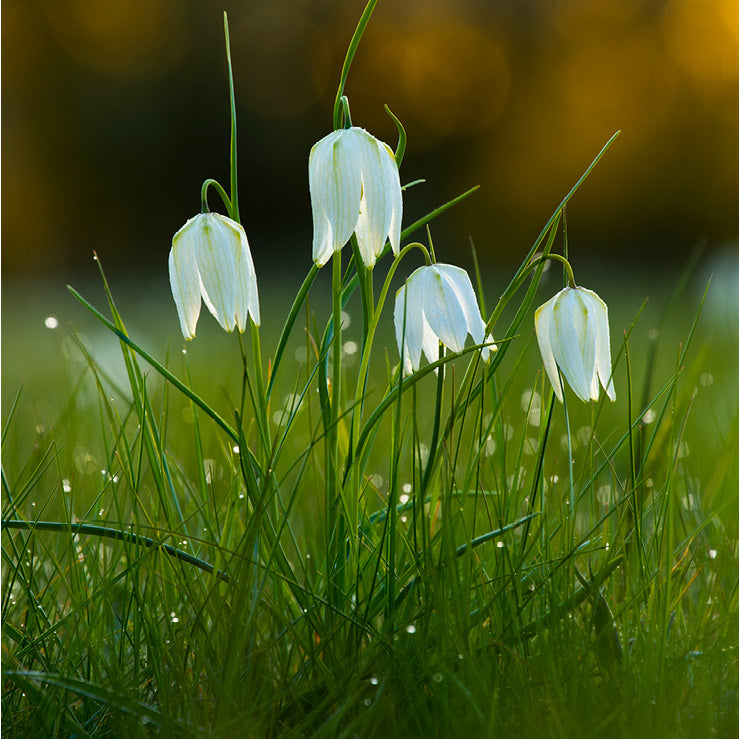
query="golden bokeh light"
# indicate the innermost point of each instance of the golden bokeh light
(120, 38)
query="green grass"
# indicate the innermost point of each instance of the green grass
(507, 596)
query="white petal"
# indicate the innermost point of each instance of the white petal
(459, 281)
(218, 250)
(334, 179)
(247, 299)
(430, 342)
(573, 342)
(376, 208)
(393, 193)
(408, 329)
(543, 325)
(602, 342)
(442, 308)
(185, 280)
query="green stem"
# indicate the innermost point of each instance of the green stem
(108, 533)
(350, 52)
(219, 189)
(234, 210)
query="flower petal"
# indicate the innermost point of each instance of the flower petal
(543, 326)
(376, 208)
(334, 179)
(247, 298)
(441, 306)
(602, 343)
(394, 193)
(218, 249)
(408, 328)
(573, 343)
(456, 279)
(185, 280)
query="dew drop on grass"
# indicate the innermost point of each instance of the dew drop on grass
(350, 347)
(404, 498)
(374, 680)
(236, 449)
(712, 553)
(411, 628)
(51, 322)
(241, 496)
(367, 702)
(649, 416)
(173, 618)
(438, 677)
(404, 519)
(499, 544)
(407, 487)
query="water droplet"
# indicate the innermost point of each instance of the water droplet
(51, 322)
(649, 416)
(706, 379)
(438, 677)
(404, 519)
(236, 449)
(101, 511)
(374, 681)
(499, 544)
(404, 498)
(367, 702)
(241, 496)
(350, 347)
(712, 553)
(376, 481)
(173, 618)
(407, 487)
(411, 628)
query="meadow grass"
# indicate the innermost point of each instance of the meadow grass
(280, 533)
(515, 591)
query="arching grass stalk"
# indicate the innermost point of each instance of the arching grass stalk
(349, 58)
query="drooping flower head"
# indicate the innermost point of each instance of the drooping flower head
(437, 303)
(572, 331)
(210, 259)
(354, 188)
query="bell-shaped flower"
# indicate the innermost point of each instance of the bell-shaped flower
(437, 303)
(210, 259)
(354, 188)
(572, 330)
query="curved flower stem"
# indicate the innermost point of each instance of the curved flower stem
(210, 182)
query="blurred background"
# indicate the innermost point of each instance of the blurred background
(114, 113)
